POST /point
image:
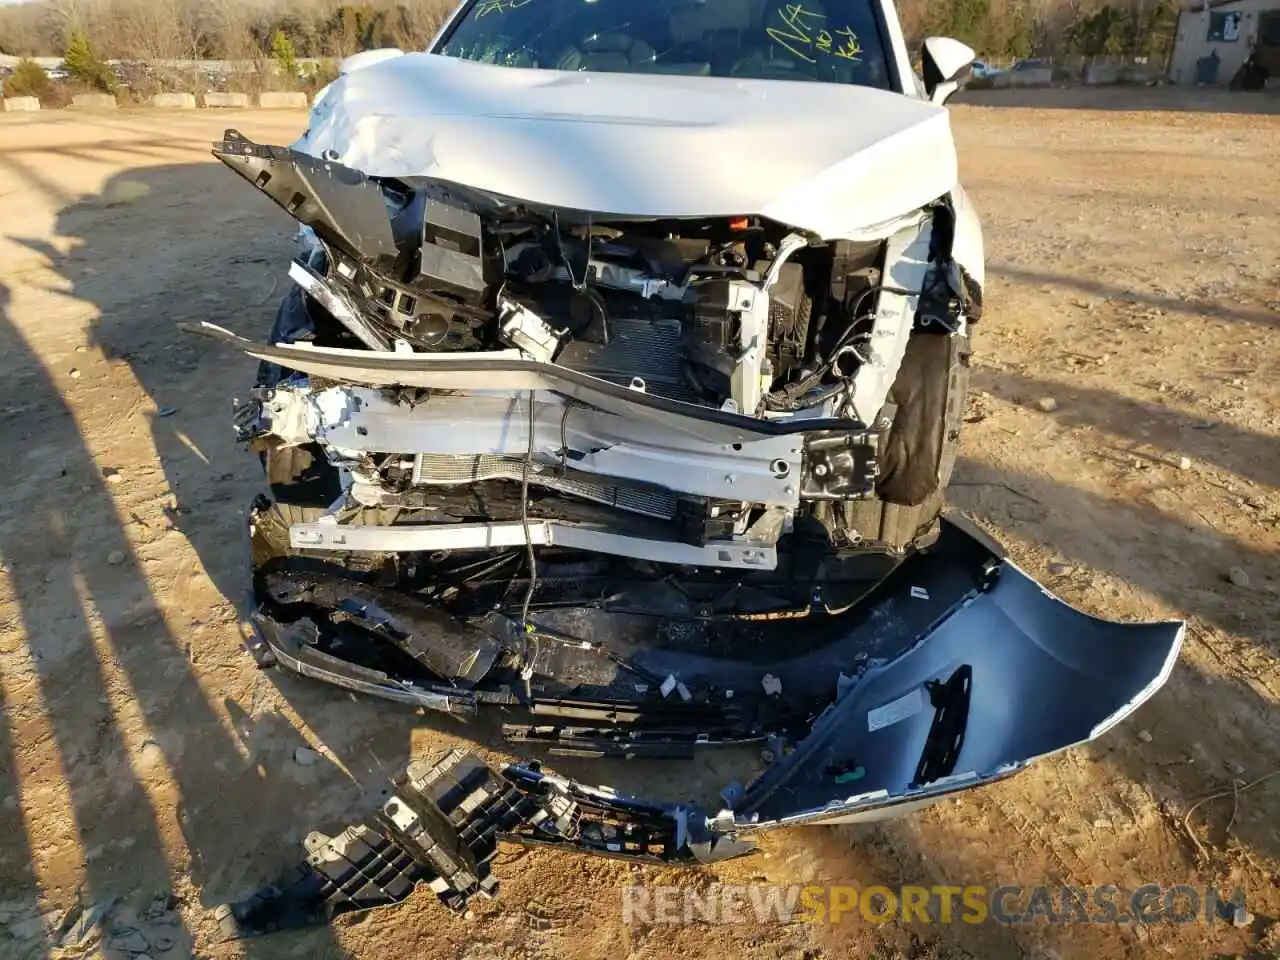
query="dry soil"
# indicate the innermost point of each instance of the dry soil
(1133, 280)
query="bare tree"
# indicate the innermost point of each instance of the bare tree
(426, 18)
(146, 30)
(912, 13)
(22, 30)
(238, 29)
(231, 25)
(63, 17)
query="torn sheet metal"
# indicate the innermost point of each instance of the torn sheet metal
(732, 412)
(880, 355)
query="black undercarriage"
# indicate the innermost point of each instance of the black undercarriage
(588, 675)
(761, 658)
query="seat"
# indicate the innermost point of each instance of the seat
(611, 52)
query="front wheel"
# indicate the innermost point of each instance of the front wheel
(919, 452)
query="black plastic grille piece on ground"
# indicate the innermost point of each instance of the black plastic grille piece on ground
(440, 826)
(356, 870)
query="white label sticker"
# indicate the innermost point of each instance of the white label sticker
(907, 705)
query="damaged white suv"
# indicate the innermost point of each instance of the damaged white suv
(770, 281)
(618, 391)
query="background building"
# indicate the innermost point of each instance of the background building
(1231, 29)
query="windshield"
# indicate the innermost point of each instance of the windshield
(829, 41)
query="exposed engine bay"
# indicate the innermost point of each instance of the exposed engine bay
(730, 377)
(648, 487)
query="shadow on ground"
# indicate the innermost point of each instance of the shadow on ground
(1213, 442)
(1200, 308)
(85, 601)
(145, 270)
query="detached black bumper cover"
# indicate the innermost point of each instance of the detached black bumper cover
(985, 671)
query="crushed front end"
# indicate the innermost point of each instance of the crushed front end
(650, 487)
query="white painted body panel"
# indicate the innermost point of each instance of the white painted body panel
(830, 159)
(968, 247)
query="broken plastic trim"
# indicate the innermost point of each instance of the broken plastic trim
(337, 304)
(292, 647)
(441, 826)
(342, 205)
(984, 672)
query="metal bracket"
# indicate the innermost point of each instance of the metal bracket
(486, 536)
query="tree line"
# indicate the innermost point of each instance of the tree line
(1011, 29)
(147, 30)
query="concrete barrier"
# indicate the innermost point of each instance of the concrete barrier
(1138, 74)
(21, 104)
(1102, 73)
(1035, 77)
(174, 101)
(94, 101)
(226, 100)
(278, 101)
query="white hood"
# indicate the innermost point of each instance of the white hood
(368, 58)
(832, 159)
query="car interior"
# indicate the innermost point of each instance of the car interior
(831, 41)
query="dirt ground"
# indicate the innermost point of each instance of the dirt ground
(1133, 280)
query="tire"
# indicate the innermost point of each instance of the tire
(919, 453)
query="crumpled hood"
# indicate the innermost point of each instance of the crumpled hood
(833, 159)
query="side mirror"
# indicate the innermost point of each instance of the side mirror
(946, 65)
